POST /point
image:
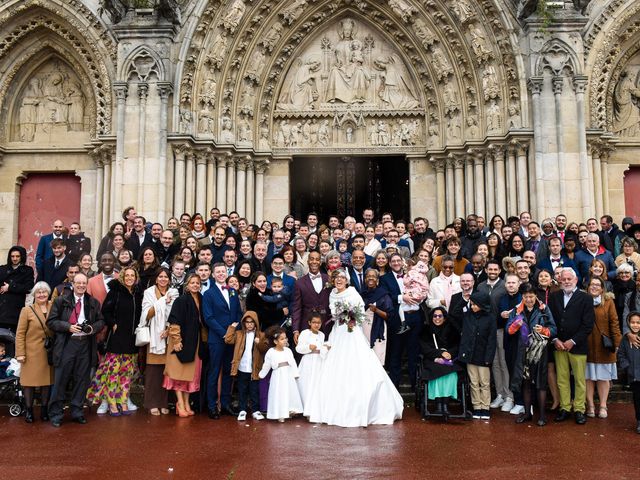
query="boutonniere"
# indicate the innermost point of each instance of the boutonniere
(232, 293)
(328, 285)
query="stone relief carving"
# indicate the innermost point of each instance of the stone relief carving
(454, 127)
(424, 33)
(218, 50)
(450, 98)
(473, 131)
(348, 65)
(514, 120)
(247, 100)
(494, 118)
(233, 15)
(271, 38)
(626, 104)
(244, 132)
(208, 88)
(51, 103)
(226, 135)
(490, 84)
(480, 44)
(256, 67)
(291, 13)
(186, 120)
(441, 64)
(403, 9)
(263, 143)
(205, 121)
(463, 10)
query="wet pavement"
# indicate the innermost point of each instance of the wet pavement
(145, 447)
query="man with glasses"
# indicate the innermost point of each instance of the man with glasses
(444, 286)
(277, 271)
(276, 245)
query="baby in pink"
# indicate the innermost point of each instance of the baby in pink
(416, 286)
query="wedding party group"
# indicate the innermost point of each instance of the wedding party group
(324, 319)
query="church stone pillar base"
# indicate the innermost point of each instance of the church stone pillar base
(276, 202)
(422, 189)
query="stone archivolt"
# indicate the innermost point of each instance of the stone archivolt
(266, 62)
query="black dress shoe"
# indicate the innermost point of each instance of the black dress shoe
(638, 427)
(523, 417)
(581, 419)
(562, 416)
(229, 411)
(542, 422)
(28, 415)
(44, 413)
(214, 415)
(81, 420)
(56, 422)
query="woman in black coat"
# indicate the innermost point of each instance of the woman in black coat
(268, 314)
(16, 281)
(121, 311)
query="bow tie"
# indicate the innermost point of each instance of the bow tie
(556, 259)
(315, 277)
(399, 275)
(224, 287)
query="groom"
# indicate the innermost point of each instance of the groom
(221, 308)
(309, 295)
(397, 343)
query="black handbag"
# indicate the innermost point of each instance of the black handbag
(48, 341)
(607, 343)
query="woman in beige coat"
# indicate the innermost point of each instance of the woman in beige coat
(30, 352)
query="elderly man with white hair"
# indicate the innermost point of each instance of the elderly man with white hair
(594, 250)
(573, 312)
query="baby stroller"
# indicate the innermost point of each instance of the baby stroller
(10, 388)
(458, 408)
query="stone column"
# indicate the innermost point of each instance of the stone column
(478, 163)
(241, 181)
(469, 191)
(512, 182)
(580, 85)
(490, 190)
(143, 91)
(100, 194)
(260, 169)
(231, 185)
(501, 184)
(558, 85)
(441, 199)
(178, 182)
(189, 200)
(120, 89)
(604, 161)
(221, 189)
(251, 192)
(164, 90)
(450, 189)
(597, 176)
(201, 183)
(458, 164)
(535, 87)
(107, 192)
(211, 181)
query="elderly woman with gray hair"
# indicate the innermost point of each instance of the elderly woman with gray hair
(378, 308)
(31, 335)
(332, 261)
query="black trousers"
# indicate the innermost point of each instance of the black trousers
(76, 364)
(398, 344)
(247, 388)
(635, 388)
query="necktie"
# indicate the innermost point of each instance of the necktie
(73, 319)
(360, 278)
(57, 264)
(229, 270)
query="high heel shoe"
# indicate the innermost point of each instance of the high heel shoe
(181, 412)
(112, 412)
(28, 415)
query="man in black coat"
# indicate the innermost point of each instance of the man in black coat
(75, 319)
(16, 280)
(471, 240)
(573, 313)
(139, 238)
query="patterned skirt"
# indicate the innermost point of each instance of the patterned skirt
(113, 378)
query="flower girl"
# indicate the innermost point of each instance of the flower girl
(284, 397)
(311, 345)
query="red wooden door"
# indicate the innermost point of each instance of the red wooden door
(45, 197)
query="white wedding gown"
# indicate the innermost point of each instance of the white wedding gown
(353, 389)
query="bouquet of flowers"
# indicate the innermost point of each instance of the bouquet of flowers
(344, 312)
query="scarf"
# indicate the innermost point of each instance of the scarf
(158, 322)
(448, 288)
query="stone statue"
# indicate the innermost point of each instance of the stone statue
(306, 134)
(440, 63)
(205, 121)
(185, 121)
(299, 91)
(348, 134)
(272, 37)
(494, 118)
(291, 13)
(402, 9)
(263, 143)
(218, 50)
(454, 129)
(490, 83)
(348, 81)
(283, 135)
(226, 135)
(28, 115)
(434, 136)
(383, 134)
(514, 121)
(396, 90)
(207, 94)
(463, 10)
(479, 44)
(76, 101)
(256, 66)
(244, 131)
(233, 15)
(626, 106)
(247, 100)
(55, 104)
(323, 134)
(424, 33)
(472, 126)
(450, 98)
(294, 136)
(372, 133)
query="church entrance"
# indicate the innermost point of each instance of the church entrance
(346, 185)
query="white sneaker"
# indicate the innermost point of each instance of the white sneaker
(517, 410)
(507, 405)
(497, 402)
(257, 416)
(131, 406)
(103, 408)
(242, 416)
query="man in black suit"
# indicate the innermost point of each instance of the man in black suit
(573, 313)
(397, 340)
(165, 249)
(356, 271)
(139, 238)
(54, 269)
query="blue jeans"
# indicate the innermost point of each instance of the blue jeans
(247, 387)
(220, 357)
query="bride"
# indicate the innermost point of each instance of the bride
(353, 389)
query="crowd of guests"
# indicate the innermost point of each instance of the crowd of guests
(520, 308)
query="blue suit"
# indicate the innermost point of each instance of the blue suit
(397, 344)
(44, 251)
(218, 315)
(545, 264)
(584, 259)
(355, 281)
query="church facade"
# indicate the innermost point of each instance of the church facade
(487, 106)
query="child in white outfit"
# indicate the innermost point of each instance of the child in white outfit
(312, 347)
